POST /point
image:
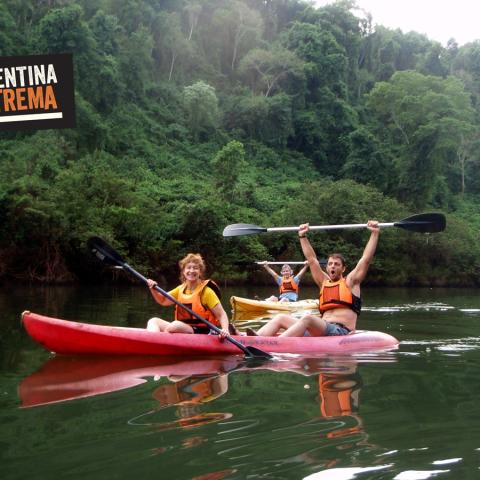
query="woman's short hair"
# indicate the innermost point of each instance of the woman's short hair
(192, 258)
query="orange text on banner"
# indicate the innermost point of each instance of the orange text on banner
(29, 98)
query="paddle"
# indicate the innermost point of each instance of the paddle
(246, 263)
(422, 222)
(281, 263)
(108, 255)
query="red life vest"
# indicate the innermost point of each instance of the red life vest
(194, 302)
(338, 295)
(288, 285)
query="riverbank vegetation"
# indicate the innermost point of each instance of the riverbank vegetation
(192, 115)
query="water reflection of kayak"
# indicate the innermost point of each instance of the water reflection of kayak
(240, 304)
(72, 338)
(64, 378)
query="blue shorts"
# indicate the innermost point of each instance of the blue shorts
(336, 329)
(292, 296)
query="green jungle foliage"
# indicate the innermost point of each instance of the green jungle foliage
(192, 115)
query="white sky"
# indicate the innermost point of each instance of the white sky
(438, 19)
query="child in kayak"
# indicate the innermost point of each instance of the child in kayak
(287, 283)
(198, 294)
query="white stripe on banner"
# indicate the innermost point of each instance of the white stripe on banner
(36, 116)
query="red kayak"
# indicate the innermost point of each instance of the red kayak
(72, 338)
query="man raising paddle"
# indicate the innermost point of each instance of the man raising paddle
(339, 302)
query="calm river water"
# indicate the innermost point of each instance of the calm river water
(407, 414)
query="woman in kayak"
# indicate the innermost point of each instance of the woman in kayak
(339, 301)
(287, 283)
(198, 294)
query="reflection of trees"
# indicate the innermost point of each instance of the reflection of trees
(279, 416)
(307, 428)
(337, 427)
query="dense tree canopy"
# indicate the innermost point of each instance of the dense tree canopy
(195, 114)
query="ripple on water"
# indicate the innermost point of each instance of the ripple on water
(448, 345)
(352, 472)
(470, 311)
(343, 473)
(447, 461)
(434, 306)
(418, 474)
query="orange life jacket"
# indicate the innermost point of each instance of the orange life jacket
(189, 390)
(337, 400)
(339, 397)
(194, 302)
(288, 285)
(338, 295)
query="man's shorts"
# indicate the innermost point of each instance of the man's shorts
(336, 329)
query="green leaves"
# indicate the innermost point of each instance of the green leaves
(201, 108)
(267, 71)
(193, 115)
(421, 120)
(227, 166)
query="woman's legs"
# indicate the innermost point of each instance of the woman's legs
(178, 327)
(158, 325)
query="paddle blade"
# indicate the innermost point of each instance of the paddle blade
(423, 223)
(238, 229)
(257, 354)
(104, 252)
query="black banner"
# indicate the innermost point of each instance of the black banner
(36, 92)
